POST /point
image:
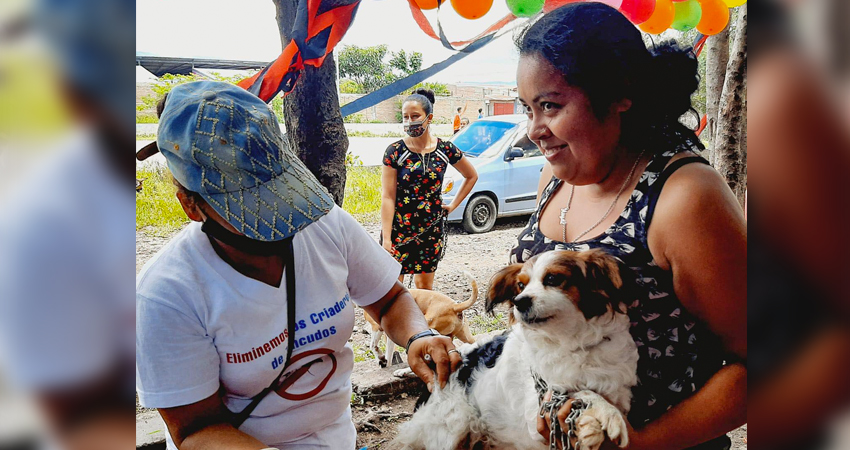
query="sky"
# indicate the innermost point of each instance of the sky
(247, 30)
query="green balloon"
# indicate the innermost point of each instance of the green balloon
(688, 14)
(525, 8)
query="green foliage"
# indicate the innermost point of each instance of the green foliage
(364, 65)
(157, 208)
(146, 118)
(406, 65)
(166, 83)
(366, 70)
(352, 160)
(145, 137)
(439, 89)
(362, 191)
(370, 134)
(354, 118)
(350, 87)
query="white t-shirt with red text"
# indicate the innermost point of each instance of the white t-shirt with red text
(202, 325)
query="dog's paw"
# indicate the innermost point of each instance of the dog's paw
(382, 361)
(611, 420)
(589, 432)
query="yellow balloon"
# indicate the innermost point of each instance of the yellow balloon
(661, 19)
(734, 3)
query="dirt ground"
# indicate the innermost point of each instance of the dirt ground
(479, 254)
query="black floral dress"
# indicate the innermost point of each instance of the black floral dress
(418, 219)
(677, 353)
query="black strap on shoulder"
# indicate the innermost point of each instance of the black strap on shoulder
(289, 268)
(655, 190)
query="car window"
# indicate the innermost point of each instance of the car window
(529, 148)
(480, 136)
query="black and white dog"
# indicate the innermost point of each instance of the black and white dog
(569, 330)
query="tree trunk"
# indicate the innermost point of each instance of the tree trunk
(311, 112)
(717, 57)
(729, 161)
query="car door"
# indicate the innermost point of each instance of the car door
(522, 175)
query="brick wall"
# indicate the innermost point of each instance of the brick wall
(473, 97)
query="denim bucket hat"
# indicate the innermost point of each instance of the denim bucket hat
(224, 143)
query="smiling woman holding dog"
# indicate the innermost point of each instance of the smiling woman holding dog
(225, 350)
(604, 110)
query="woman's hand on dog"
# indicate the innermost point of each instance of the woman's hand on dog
(388, 246)
(543, 427)
(442, 362)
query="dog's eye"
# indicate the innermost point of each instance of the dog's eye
(520, 285)
(553, 280)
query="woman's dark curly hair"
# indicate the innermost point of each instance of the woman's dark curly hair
(599, 51)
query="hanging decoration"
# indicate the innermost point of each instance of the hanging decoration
(314, 35)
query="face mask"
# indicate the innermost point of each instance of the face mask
(415, 129)
(242, 243)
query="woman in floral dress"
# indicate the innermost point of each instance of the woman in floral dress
(412, 208)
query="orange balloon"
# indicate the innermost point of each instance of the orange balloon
(715, 17)
(428, 4)
(473, 9)
(661, 19)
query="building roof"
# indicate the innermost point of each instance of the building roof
(161, 65)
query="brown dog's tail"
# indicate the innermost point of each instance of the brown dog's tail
(467, 304)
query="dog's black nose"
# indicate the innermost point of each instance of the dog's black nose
(522, 303)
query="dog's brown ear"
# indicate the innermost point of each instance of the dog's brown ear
(603, 287)
(503, 286)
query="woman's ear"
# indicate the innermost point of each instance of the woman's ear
(190, 206)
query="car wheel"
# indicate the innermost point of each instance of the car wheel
(480, 215)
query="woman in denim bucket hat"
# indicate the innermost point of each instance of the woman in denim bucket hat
(243, 319)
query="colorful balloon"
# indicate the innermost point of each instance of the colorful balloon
(473, 9)
(734, 3)
(637, 11)
(688, 14)
(525, 8)
(616, 4)
(715, 17)
(661, 19)
(550, 5)
(428, 4)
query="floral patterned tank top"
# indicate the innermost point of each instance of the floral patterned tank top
(677, 353)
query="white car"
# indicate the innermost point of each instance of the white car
(508, 166)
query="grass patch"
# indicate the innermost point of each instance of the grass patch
(146, 118)
(146, 137)
(159, 212)
(157, 209)
(485, 323)
(369, 134)
(363, 193)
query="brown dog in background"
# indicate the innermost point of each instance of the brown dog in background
(441, 312)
